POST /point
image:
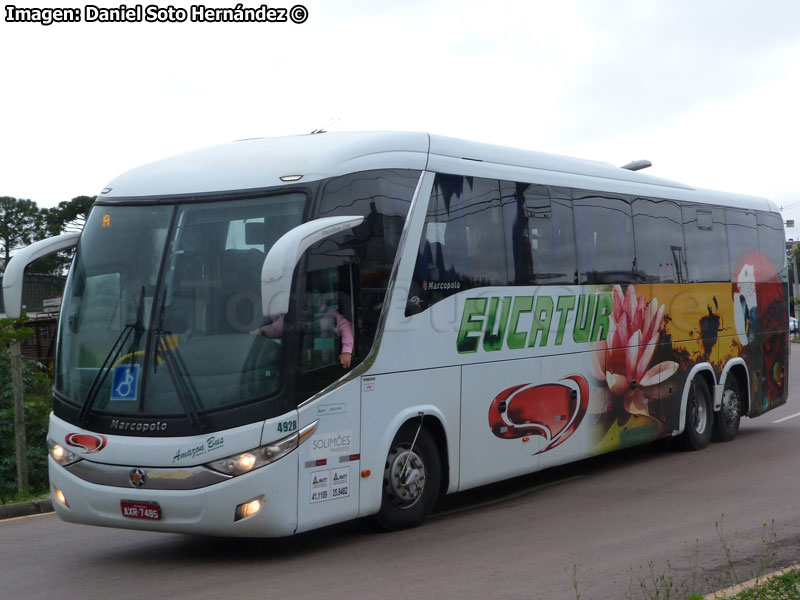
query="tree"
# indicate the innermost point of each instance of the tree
(11, 334)
(21, 223)
(68, 216)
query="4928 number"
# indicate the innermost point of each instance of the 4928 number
(287, 426)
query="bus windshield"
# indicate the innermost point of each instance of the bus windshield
(162, 305)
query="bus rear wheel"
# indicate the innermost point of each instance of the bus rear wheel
(726, 421)
(411, 479)
(699, 416)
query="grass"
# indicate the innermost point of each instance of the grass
(782, 587)
(19, 497)
(652, 583)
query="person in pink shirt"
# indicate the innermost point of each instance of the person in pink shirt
(343, 327)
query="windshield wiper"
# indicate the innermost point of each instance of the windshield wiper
(136, 328)
(184, 386)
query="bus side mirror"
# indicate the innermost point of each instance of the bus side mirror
(15, 269)
(278, 267)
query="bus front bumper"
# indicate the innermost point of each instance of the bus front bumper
(212, 510)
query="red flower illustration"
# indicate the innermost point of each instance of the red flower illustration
(623, 359)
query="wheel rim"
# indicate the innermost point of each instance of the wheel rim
(699, 415)
(404, 477)
(730, 406)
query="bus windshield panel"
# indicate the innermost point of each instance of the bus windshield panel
(162, 305)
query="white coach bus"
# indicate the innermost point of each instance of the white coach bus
(274, 335)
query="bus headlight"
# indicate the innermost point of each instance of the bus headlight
(239, 464)
(60, 454)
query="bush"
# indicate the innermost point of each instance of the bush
(38, 403)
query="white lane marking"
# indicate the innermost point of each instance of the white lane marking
(787, 418)
(44, 514)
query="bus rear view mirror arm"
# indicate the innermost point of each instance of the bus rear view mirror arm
(15, 269)
(278, 267)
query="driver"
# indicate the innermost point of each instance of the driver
(343, 327)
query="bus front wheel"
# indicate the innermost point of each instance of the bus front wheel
(699, 416)
(411, 479)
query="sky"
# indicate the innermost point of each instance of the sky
(707, 90)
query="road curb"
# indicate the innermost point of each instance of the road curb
(749, 585)
(24, 509)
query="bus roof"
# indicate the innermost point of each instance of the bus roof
(262, 162)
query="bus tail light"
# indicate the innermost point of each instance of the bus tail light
(239, 464)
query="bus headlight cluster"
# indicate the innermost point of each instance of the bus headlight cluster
(60, 454)
(239, 464)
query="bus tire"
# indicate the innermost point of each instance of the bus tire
(408, 499)
(726, 420)
(699, 416)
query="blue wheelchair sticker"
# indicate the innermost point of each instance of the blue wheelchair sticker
(125, 383)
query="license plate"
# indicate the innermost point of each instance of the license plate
(149, 511)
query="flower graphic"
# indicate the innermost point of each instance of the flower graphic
(623, 358)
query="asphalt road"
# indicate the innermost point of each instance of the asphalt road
(601, 528)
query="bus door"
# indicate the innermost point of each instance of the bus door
(501, 429)
(565, 401)
(329, 461)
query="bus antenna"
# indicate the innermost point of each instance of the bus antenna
(327, 123)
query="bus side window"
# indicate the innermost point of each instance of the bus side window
(463, 243)
(540, 236)
(770, 238)
(383, 198)
(604, 236)
(742, 240)
(706, 243)
(327, 321)
(658, 234)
